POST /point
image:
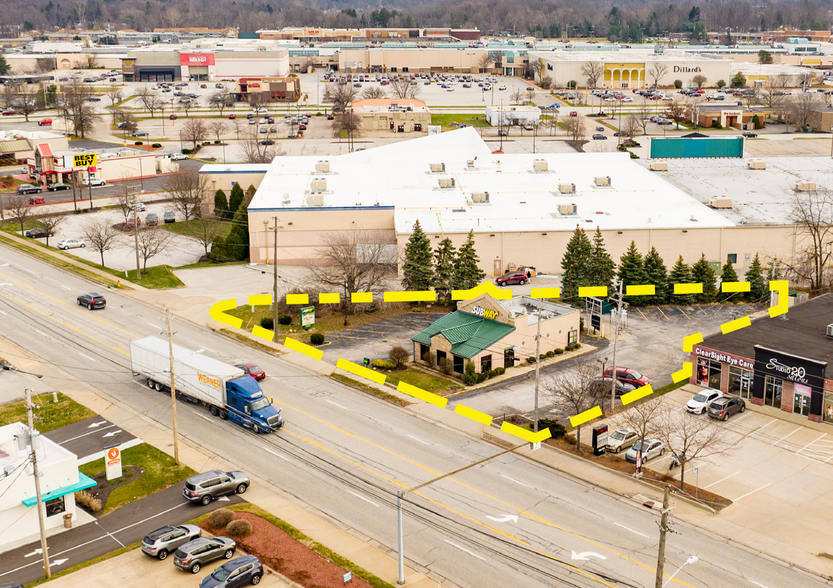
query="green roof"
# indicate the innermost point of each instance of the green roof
(468, 334)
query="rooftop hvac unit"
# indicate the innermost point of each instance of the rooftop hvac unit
(756, 164)
(567, 188)
(602, 181)
(830, 331)
(720, 202)
(446, 182)
(480, 197)
(437, 167)
(318, 185)
(659, 166)
(540, 165)
(805, 186)
(566, 209)
(316, 200)
(470, 163)
(322, 167)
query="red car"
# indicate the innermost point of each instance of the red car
(44, 121)
(232, 116)
(302, 127)
(9, 112)
(172, 117)
(628, 376)
(37, 200)
(519, 278)
(573, 113)
(252, 370)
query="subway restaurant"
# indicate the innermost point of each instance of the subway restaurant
(495, 333)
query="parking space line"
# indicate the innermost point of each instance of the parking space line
(760, 428)
(665, 316)
(722, 479)
(787, 435)
(753, 492)
(642, 313)
(740, 418)
(685, 314)
(810, 443)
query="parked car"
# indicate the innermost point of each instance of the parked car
(161, 542)
(599, 137)
(651, 448)
(140, 133)
(235, 573)
(519, 278)
(600, 129)
(37, 232)
(204, 488)
(37, 200)
(179, 156)
(232, 116)
(621, 439)
(57, 186)
(601, 387)
(573, 113)
(151, 219)
(203, 85)
(724, 407)
(701, 400)
(196, 553)
(169, 216)
(94, 182)
(9, 112)
(750, 134)
(28, 189)
(621, 134)
(65, 244)
(92, 300)
(266, 142)
(252, 370)
(218, 85)
(44, 121)
(139, 207)
(628, 376)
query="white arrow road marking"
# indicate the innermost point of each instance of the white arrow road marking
(631, 530)
(363, 498)
(514, 480)
(756, 584)
(274, 453)
(58, 562)
(98, 424)
(585, 555)
(223, 499)
(87, 433)
(503, 518)
(6, 284)
(418, 439)
(464, 549)
(5, 265)
(31, 272)
(35, 552)
(112, 433)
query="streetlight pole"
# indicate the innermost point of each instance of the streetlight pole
(537, 364)
(136, 239)
(275, 280)
(34, 457)
(173, 381)
(692, 559)
(619, 301)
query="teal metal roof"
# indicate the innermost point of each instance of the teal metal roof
(83, 483)
(468, 334)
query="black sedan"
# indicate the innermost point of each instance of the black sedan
(92, 300)
(37, 232)
(58, 186)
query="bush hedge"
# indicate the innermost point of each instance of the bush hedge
(399, 356)
(383, 364)
(220, 518)
(156, 145)
(285, 320)
(556, 430)
(138, 142)
(316, 338)
(239, 529)
(267, 322)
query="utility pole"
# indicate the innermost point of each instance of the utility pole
(617, 283)
(537, 364)
(275, 280)
(664, 529)
(173, 381)
(136, 239)
(34, 457)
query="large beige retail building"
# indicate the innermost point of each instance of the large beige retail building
(523, 208)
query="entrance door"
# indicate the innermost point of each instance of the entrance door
(772, 391)
(441, 358)
(801, 399)
(498, 268)
(509, 358)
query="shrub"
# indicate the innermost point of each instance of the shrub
(569, 439)
(267, 322)
(556, 429)
(558, 351)
(399, 356)
(500, 371)
(239, 529)
(220, 518)
(432, 360)
(138, 142)
(89, 501)
(716, 124)
(550, 353)
(542, 356)
(468, 379)
(678, 84)
(156, 145)
(186, 151)
(416, 309)
(481, 377)
(285, 320)
(634, 155)
(317, 338)
(383, 364)
(490, 374)
(216, 142)
(470, 370)
(530, 360)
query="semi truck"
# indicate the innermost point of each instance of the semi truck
(227, 391)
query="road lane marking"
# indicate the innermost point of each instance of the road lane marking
(202, 416)
(722, 479)
(631, 530)
(362, 498)
(418, 439)
(757, 584)
(28, 271)
(753, 492)
(65, 287)
(787, 435)
(108, 534)
(3, 313)
(471, 553)
(87, 356)
(155, 326)
(338, 405)
(41, 332)
(514, 480)
(274, 453)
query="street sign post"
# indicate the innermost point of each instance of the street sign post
(307, 317)
(113, 463)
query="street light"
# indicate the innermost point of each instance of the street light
(10, 368)
(692, 559)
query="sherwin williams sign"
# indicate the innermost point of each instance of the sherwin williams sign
(196, 59)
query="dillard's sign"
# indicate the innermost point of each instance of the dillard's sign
(684, 69)
(484, 312)
(724, 358)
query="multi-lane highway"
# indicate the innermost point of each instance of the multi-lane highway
(508, 522)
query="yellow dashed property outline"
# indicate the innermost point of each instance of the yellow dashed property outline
(218, 313)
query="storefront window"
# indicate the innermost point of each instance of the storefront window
(485, 363)
(801, 399)
(740, 381)
(772, 391)
(827, 413)
(459, 364)
(708, 373)
(572, 337)
(56, 506)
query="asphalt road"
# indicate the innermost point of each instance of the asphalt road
(90, 436)
(121, 527)
(507, 522)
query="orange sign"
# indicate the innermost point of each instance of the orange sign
(113, 463)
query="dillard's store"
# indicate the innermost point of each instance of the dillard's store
(779, 362)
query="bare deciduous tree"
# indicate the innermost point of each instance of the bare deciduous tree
(76, 109)
(593, 71)
(575, 127)
(802, 107)
(101, 235)
(90, 61)
(699, 80)
(254, 151)
(340, 94)
(631, 125)
(773, 91)
(19, 209)
(373, 93)
(676, 111)
(349, 122)
(220, 100)
(149, 99)
(51, 220)
(115, 95)
(126, 196)
(204, 231)
(643, 417)
(517, 96)
(217, 128)
(26, 104)
(152, 242)
(193, 131)
(812, 215)
(188, 190)
(657, 72)
(403, 88)
(572, 390)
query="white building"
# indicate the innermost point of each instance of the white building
(59, 480)
(512, 115)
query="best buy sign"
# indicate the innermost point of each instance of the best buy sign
(85, 160)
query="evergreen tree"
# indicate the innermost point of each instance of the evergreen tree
(467, 272)
(250, 193)
(234, 201)
(602, 267)
(758, 289)
(657, 275)
(236, 245)
(728, 275)
(576, 265)
(220, 204)
(4, 66)
(774, 270)
(417, 268)
(632, 273)
(680, 274)
(218, 249)
(443, 281)
(702, 273)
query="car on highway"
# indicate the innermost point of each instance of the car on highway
(193, 555)
(203, 488)
(28, 189)
(94, 182)
(179, 156)
(252, 370)
(65, 244)
(9, 112)
(519, 278)
(173, 117)
(37, 232)
(92, 300)
(266, 142)
(628, 376)
(650, 448)
(573, 113)
(599, 137)
(232, 116)
(235, 573)
(162, 541)
(169, 216)
(57, 186)
(750, 134)
(600, 129)
(140, 133)
(44, 121)
(699, 403)
(621, 439)
(37, 200)
(724, 407)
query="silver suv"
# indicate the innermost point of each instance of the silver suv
(194, 554)
(162, 541)
(203, 488)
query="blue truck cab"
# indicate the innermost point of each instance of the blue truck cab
(248, 406)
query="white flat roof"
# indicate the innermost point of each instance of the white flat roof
(622, 55)
(398, 176)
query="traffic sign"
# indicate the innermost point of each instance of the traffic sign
(85, 160)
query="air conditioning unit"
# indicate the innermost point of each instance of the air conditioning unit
(567, 188)
(480, 197)
(659, 166)
(602, 181)
(720, 202)
(437, 167)
(316, 200)
(756, 164)
(804, 186)
(470, 163)
(446, 182)
(830, 331)
(318, 185)
(566, 209)
(540, 165)
(322, 167)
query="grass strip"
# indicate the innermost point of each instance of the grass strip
(256, 344)
(381, 394)
(49, 415)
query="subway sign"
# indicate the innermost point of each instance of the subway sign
(484, 312)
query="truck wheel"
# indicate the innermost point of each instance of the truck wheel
(241, 488)
(224, 414)
(149, 382)
(256, 428)
(213, 410)
(157, 386)
(206, 500)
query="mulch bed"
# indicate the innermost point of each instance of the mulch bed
(103, 489)
(289, 557)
